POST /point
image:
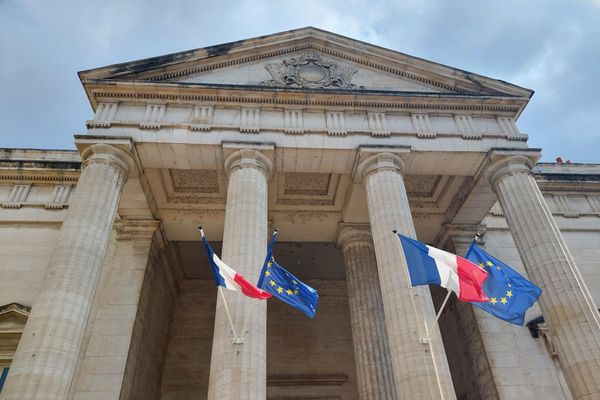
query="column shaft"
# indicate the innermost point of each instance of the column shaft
(238, 371)
(566, 304)
(420, 370)
(371, 347)
(45, 360)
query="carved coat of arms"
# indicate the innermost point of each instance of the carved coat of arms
(310, 70)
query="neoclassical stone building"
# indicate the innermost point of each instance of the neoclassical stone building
(105, 291)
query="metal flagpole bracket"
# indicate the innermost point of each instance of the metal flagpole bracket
(238, 340)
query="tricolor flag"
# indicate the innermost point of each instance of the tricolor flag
(225, 275)
(428, 265)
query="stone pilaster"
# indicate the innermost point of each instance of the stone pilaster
(44, 364)
(116, 305)
(566, 304)
(238, 371)
(420, 369)
(371, 348)
(469, 320)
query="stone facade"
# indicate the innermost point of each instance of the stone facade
(105, 292)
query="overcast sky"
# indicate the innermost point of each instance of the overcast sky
(552, 47)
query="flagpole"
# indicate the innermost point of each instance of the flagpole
(220, 289)
(412, 299)
(235, 336)
(437, 317)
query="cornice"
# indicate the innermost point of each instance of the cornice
(236, 95)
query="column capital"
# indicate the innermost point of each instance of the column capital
(248, 158)
(380, 161)
(503, 162)
(116, 152)
(460, 235)
(348, 233)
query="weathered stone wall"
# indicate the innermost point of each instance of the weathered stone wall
(25, 249)
(152, 326)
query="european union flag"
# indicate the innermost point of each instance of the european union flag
(510, 294)
(285, 286)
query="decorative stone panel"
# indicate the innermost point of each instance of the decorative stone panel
(250, 120)
(421, 185)
(293, 121)
(194, 181)
(105, 114)
(465, 126)
(336, 124)
(309, 184)
(17, 196)
(60, 195)
(311, 70)
(378, 124)
(154, 116)
(509, 128)
(202, 118)
(422, 126)
(594, 203)
(564, 207)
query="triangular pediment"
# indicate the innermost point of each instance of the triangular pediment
(308, 69)
(304, 59)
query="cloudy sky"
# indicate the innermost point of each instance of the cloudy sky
(550, 46)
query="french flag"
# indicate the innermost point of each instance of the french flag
(428, 265)
(225, 275)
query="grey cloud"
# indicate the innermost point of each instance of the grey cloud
(552, 47)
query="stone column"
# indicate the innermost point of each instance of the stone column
(566, 304)
(369, 335)
(238, 371)
(44, 364)
(420, 369)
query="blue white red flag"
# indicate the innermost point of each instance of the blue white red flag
(428, 265)
(228, 278)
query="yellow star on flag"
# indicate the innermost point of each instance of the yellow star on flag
(503, 300)
(509, 293)
(268, 273)
(493, 300)
(272, 282)
(296, 291)
(269, 264)
(489, 263)
(289, 292)
(279, 290)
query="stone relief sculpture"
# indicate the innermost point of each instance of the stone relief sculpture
(311, 70)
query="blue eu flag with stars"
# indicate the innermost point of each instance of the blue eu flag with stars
(510, 293)
(286, 287)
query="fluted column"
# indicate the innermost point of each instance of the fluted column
(45, 360)
(369, 336)
(566, 304)
(238, 371)
(420, 369)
